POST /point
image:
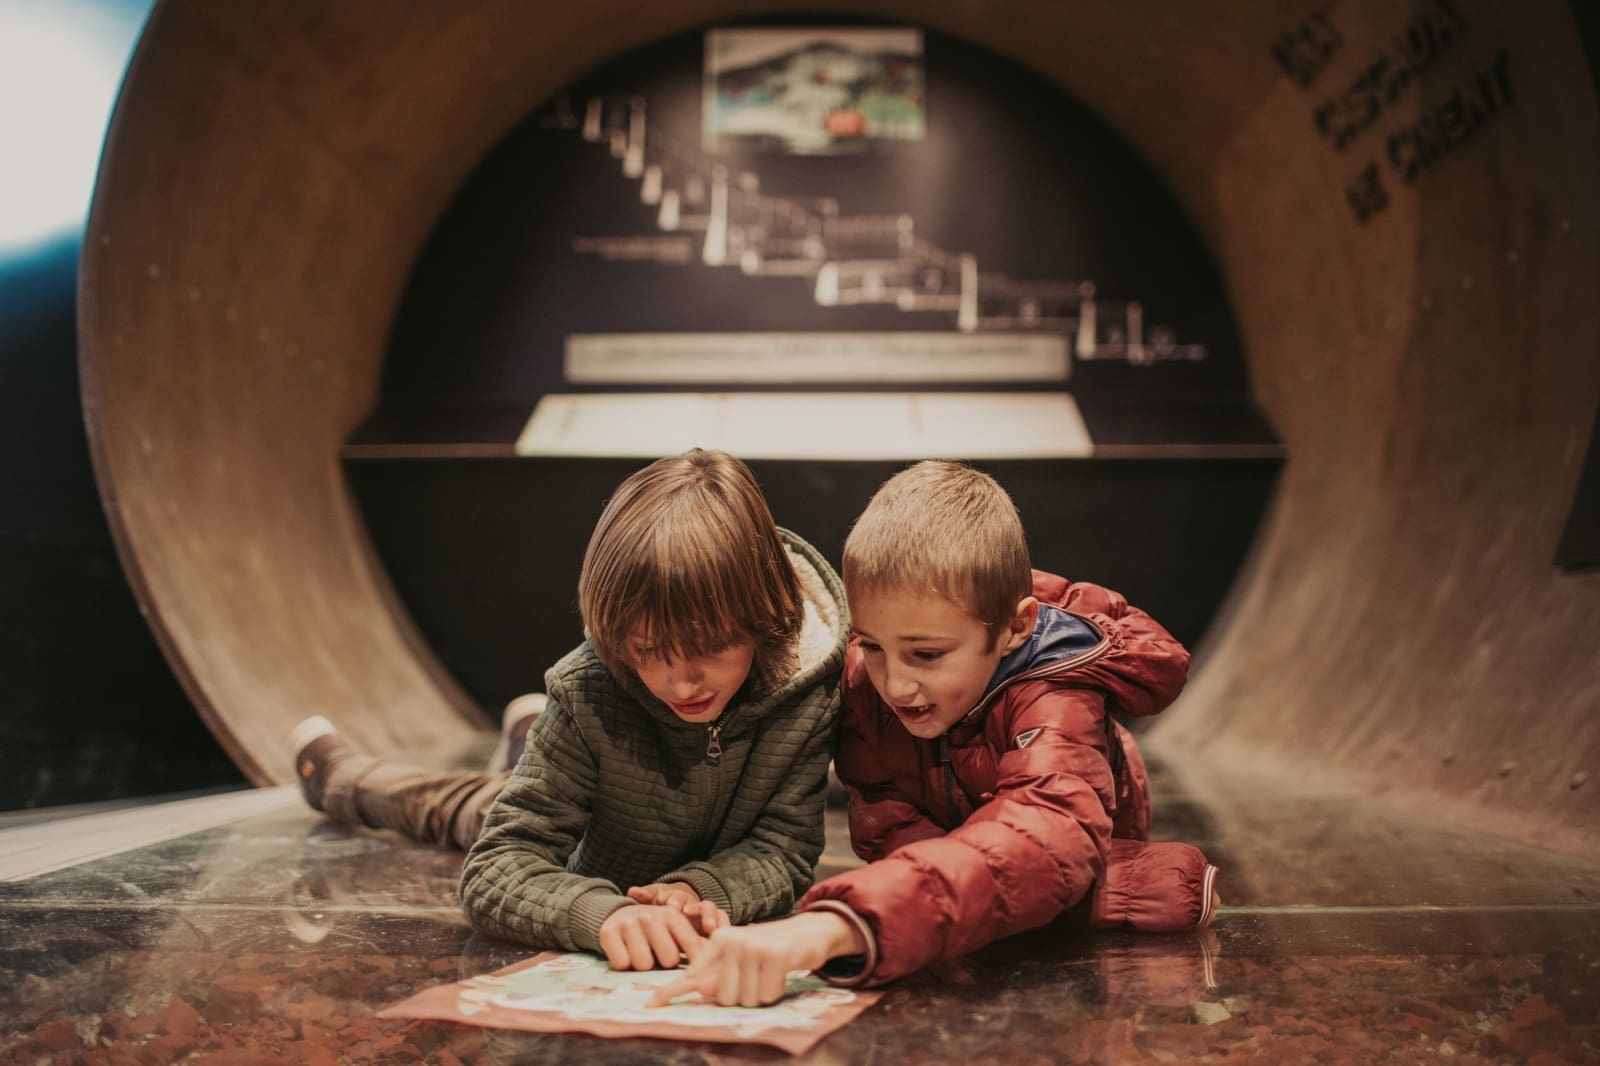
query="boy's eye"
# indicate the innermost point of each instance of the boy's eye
(928, 655)
(868, 646)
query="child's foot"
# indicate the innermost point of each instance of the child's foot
(318, 751)
(514, 726)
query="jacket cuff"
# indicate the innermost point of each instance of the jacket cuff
(589, 912)
(703, 881)
(848, 971)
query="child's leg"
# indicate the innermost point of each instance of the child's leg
(429, 806)
(1156, 888)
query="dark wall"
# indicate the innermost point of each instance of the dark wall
(90, 710)
(1012, 170)
(484, 551)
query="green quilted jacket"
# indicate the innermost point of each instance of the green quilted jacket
(615, 790)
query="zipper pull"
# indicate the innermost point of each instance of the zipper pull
(713, 742)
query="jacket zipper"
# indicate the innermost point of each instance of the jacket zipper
(713, 757)
(949, 780)
(714, 736)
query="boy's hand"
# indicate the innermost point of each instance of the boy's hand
(674, 894)
(707, 916)
(648, 938)
(750, 965)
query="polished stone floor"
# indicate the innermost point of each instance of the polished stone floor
(1350, 934)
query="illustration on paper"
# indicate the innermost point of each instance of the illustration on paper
(577, 992)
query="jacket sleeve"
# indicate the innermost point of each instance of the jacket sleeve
(1022, 858)
(763, 874)
(1144, 669)
(515, 883)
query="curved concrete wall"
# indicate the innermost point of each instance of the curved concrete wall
(272, 172)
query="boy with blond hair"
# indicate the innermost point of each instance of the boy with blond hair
(990, 788)
(675, 777)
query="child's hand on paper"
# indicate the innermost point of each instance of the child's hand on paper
(750, 965)
(707, 916)
(648, 938)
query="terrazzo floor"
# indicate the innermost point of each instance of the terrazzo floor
(1350, 934)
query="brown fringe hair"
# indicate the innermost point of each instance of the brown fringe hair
(943, 528)
(686, 554)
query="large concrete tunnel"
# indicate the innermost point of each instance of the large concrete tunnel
(1401, 626)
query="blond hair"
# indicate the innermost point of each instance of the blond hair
(944, 528)
(686, 555)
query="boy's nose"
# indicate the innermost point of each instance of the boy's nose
(899, 688)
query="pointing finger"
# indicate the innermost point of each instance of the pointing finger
(672, 990)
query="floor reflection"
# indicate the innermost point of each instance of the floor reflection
(1351, 934)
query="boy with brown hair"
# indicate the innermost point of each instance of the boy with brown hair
(990, 788)
(675, 777)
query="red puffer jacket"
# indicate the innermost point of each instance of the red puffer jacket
(1007, 820)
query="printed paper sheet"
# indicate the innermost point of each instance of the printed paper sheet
(574, 992)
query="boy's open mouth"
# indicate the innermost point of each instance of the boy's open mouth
(915, 714)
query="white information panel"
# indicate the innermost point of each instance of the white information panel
(811, 358)
(810, 425)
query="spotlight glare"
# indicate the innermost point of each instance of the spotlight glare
(60, 66)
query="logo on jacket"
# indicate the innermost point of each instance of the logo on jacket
(1024, 739)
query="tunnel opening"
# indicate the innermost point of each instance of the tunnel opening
(1423, 344)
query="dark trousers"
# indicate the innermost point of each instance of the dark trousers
(444, 808)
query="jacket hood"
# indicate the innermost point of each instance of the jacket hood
(1089, 636)
(1060, 643)
(1058, 635)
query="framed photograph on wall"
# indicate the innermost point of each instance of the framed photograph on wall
(812, 90)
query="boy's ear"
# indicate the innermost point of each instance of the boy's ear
(1020, 628)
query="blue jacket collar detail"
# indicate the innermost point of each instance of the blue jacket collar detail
(1057, 634)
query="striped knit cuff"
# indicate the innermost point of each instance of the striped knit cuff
(848, 971)
(589, 912)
